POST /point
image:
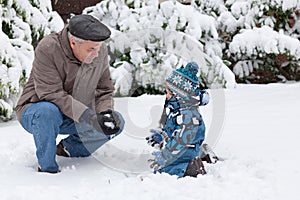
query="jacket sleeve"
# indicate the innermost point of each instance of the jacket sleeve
(49, 84)
(104, 90)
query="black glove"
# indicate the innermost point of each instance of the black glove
(106, 122)
(109, 121)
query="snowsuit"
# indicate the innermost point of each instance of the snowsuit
(186, 132)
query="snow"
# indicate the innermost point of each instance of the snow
(264, 39)
(253, 128)
(249, 13)
(258, 43)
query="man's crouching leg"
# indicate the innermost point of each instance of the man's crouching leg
(43, 121)
(86, 140)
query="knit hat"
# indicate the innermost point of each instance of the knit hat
(88, 27)
(184, 81)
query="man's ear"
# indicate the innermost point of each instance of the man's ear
(72, 42)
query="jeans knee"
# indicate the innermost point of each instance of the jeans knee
(48, 111)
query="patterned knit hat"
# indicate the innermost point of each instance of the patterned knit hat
(184, 81)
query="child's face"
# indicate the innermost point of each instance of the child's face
(169, 93)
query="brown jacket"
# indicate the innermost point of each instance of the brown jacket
(58, 77)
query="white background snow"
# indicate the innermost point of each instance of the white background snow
(254, 128)
(258, 142)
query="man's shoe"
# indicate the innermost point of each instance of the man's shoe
(194, 168)
(61, 151)
(40, 170)
(208, 155)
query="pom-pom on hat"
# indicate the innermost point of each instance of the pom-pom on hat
(184, 81)
(88, 27)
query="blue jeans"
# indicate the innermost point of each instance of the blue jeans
(45, 121)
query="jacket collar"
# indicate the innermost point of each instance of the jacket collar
(65, 44)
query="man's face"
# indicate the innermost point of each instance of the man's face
(85, 51)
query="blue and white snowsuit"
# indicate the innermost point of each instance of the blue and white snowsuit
(186, 131)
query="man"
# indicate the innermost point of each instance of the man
(70, 91)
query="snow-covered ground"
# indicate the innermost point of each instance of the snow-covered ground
(254, 128)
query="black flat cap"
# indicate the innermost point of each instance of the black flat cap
(88, 27)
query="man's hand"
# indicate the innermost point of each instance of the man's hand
(109, 122)
(106, 122)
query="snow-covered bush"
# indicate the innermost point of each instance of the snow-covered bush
(277, 14)
(262, 66)
(23, 24)
(260, 49)
(212, 8)
(151, 39)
